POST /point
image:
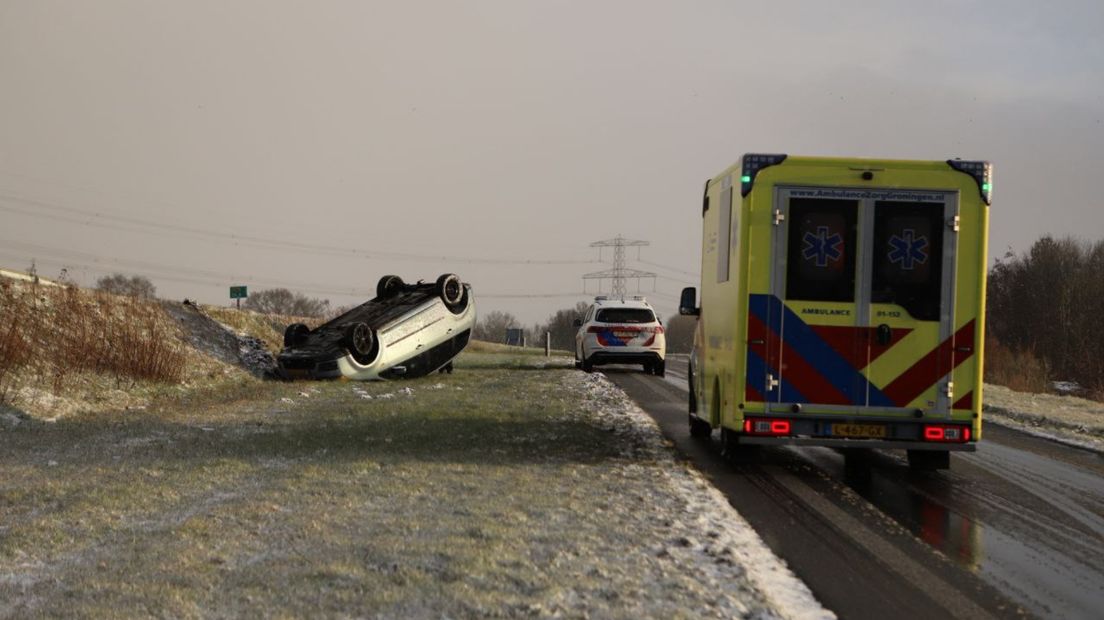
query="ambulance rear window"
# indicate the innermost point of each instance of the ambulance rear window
(908, 257)
(625, 315)
(820, 261)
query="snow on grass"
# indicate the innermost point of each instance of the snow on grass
(724, 540)
(1067, 419)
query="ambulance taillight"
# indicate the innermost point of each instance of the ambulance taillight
(947, 433)
(767, 426)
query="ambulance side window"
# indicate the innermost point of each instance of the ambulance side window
(724, 239)
(908, 257)
(820, 254)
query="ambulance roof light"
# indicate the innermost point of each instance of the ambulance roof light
(752, 163)
(981, 171)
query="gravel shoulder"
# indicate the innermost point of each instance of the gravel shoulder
(486, 493)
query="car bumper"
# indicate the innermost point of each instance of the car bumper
(607, 356)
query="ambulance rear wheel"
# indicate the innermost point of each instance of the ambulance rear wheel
(929, 460)
(699, 427)
(692, 401)
(735, 452)
(659, 368)
(587, 366)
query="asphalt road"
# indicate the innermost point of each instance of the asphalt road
(1013, 530)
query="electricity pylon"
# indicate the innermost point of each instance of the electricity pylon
(619, 273)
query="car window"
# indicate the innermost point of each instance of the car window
(625, 315)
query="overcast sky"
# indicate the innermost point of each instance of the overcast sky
(320, 145)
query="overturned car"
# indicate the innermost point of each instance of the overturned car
(408, 330)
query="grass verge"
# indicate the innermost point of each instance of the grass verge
(488, 492)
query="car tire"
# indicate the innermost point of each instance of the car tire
(588, 366)
(659, 368)
(735, 452)
(693, 399)
(388, 286)
(699, 427)
(295, 335)
(450, 289)
(361, 342)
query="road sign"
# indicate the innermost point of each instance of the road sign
(238, 292)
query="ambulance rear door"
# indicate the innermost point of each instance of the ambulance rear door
(862, 298)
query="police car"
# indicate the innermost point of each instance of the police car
(620, 331)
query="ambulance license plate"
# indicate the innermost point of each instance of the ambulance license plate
(865, 431)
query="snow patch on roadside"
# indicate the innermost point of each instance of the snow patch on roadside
(1069, 420)
(735, 554)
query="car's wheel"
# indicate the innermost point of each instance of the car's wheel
(361, 342)
(699, 427)
(693, 402)
(450, 289)
(588, 366)
(734, 451)
(659, 368)
(388, 286)
(447, 368)
(295, 335)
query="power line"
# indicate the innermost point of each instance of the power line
(668, 268)
(133, 224)
(103, 265)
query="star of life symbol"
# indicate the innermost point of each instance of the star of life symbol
(908, 250)
(822, 247)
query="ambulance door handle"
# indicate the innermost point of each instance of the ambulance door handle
(885, 334)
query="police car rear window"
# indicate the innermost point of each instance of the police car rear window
(625, 315)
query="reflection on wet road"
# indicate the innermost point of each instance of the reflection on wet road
(1024, 514)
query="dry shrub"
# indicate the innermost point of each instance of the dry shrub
(1016, 370)
(15, 347)
(54, 332)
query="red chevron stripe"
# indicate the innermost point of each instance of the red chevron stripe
(799, 373)
(851, 342)
(966, 402)
(924, 373)
(752, 395)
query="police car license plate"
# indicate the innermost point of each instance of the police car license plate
(865, 431)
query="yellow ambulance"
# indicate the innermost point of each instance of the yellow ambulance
(842, 305)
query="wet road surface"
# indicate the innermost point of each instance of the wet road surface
(1013, 530)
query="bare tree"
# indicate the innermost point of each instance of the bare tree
(561, 324)
(680, 333)
(1047, 302)
(492, 327)
(283, 301)
(132, 286)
